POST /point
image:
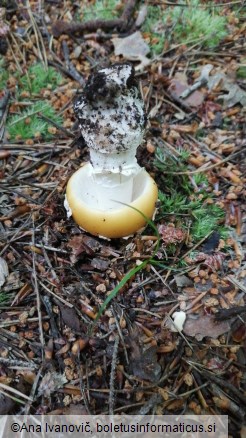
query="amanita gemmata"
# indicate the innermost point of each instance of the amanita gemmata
(104, 195)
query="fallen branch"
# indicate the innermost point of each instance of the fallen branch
(123, 23)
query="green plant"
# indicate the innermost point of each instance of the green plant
(241, 72)
(29, 122)
(185, 24)
(189, 210)
(200, 180)
(169, 164)
(6, 297)
(4, 74)
(204, 217)
(132, 272)
(104, 9)
(207, 218)
(37, 78)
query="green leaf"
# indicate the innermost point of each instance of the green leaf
(17, 125)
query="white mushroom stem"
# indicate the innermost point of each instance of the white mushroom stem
(116, 184)
(112, 121)
(124, 162)
(108, 189)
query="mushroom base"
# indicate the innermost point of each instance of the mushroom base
(118, 220)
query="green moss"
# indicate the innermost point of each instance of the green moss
(186, 198)
(103, 9)
(28, 123)
(207, 218)
(241, 72)
(4, 75)
(38, 78)
(181, 24)
(6, 297)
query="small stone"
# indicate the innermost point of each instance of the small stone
(101, 288)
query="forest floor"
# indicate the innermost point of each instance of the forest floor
(56, 354)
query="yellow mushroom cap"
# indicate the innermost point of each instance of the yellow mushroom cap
(113, 222)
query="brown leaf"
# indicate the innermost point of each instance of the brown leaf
(70, 317)
(175, 404)
(82, 244)
(28, 376)
(214, 262)
(100, 264)
(6, 405)
(19, 211)
(186, 129)
(63, 349)
(144, 363)
(178, 85)
(205, 325)
(211, 243)
(239, 334)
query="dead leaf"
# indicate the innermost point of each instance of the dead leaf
(4, 271)
(132, 48)
(51, 382)
(20, 210)
(100, 264)
(6, 405)
(211, 243)
(186, 129)
(239, 334)
(215, 363)
(182, 281)
(175, 404)
(178, 85)
(13, 282)
(144, 363)
(213, 261)
(154, 111)
(235, 93)
(28, 376)
(82, 244)
(70, 317)
(205, 325)
(64, 349)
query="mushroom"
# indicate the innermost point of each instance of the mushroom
(178, 321)
(111, 195)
